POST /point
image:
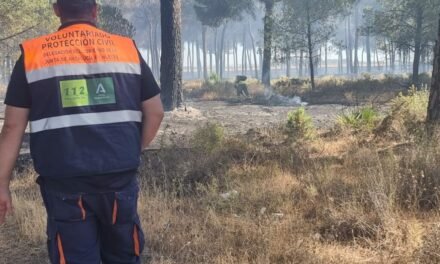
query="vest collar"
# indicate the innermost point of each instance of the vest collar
(68, 24)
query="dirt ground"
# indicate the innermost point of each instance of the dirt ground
(235, 117)
(239, 118)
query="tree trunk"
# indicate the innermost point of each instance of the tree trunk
(418, 43)
(340, 61)
(434, 98)
(379, 66)
(188, 58)
(243, 56)
(267, 53)
(153, 57)
(248, 54)
(211, 67)
(301, 63)
(171, 58)
(349, 47)
(199, 62)
(228, 62)
(288, 64)
(205, 55)
(326, 58)
(217, 68)
(221, 52)
(356, 41)
(235, 51)
(368, 46)
(194, 57)
(310, 47)
(254, 50)
(156, 52)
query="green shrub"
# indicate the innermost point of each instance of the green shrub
(413, 105)
(407, 115)
(214, 78)
(299, 125)
(208, 137)
(364, 119)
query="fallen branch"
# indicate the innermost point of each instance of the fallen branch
(17, 34)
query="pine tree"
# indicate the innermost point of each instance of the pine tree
(171, 59)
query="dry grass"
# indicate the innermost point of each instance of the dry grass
(365, 90)
(219, 90)
(261, 198)
(370, 90)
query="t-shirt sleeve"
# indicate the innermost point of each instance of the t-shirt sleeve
(18, 92)
(150, 88)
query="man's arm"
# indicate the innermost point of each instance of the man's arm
(10, 142)
(153, 114)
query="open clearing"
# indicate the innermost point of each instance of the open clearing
(236, 118)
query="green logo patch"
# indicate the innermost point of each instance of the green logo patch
(87, 92)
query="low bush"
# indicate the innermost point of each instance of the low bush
(407, 116)
(361, 120)
(208, 137)
(300, 125)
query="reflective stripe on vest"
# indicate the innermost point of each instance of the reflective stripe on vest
(85, 120)
(82, 69)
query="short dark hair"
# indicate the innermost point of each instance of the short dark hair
(76, 8)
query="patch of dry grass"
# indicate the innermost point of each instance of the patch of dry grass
(219, 90)
(367, 89)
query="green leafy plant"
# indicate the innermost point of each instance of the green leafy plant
(364, 119)
(300, 125)
(214, 78)
(208, 137)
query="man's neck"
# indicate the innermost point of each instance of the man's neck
(77, 20)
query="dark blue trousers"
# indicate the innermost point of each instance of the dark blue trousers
(93, 228)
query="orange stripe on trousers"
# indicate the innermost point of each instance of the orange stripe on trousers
(81, 206)
(61, 250)
(136, 241)
(115, 211)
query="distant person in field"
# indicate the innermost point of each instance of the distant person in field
(93, 105)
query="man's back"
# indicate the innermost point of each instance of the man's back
(85, 88)
(93, 104)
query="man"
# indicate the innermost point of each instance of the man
(93, 105)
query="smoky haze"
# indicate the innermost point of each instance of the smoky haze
(235, 46)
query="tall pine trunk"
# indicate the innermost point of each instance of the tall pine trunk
(310, 47)
(418, 44)
(199, 62)
(356, 41)
(267, 53)
(254, 50)
(205, 54)
(368, 46)
(171, 58)
(221, 52)
(434, 99)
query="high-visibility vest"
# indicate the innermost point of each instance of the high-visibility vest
(85, 116)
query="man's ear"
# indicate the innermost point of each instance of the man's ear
(57, 10)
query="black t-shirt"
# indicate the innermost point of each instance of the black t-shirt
(18, 95)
